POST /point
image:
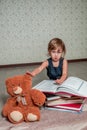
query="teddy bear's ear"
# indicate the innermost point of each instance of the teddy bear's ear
(28, 80)
(9, 86)
(7, 81)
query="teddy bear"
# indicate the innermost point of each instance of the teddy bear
(24, 102)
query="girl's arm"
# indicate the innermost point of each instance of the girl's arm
(65, 72)
(39, 69)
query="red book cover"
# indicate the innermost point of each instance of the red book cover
(72, 106)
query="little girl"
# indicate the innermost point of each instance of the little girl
(56, 65)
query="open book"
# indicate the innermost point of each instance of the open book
(72, 86)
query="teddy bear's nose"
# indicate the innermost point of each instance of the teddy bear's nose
(15, 88)
(18, 90)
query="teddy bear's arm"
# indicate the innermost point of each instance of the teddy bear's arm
(11, 101)
(38, 97)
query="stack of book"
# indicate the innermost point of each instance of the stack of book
(73, 103)
(69, 96)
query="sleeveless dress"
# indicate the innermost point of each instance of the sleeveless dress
(54, 72)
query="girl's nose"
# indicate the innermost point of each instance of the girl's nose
(56, 54)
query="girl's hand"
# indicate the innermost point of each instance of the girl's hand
(62, 79)
(30, 73)
(59, 81)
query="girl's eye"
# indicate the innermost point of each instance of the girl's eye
(56, 52)
(59, 51)
(53, 51)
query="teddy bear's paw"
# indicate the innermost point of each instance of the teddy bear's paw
(16, 116)
(32, 117)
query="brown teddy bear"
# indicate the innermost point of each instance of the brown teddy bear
(24, 102)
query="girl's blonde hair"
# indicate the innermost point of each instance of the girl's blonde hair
(55, 43)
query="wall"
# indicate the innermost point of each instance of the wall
(26, 26)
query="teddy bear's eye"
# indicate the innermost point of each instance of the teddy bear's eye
(13, 85)
(18, 84)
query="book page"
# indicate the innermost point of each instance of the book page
(83, 89)
(73, 83)
(53, 97)
(47, 86)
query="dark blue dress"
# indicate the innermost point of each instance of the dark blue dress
(54, 72)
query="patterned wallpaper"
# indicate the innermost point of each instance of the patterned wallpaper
(26, 26)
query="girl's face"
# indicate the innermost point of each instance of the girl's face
(56, 54)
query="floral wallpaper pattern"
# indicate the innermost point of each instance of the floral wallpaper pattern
(26, 26)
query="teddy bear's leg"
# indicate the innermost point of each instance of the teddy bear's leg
(16, 115)
(32, 114)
